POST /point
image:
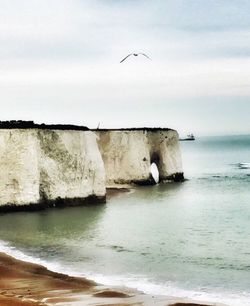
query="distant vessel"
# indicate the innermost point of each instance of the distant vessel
(189, 137)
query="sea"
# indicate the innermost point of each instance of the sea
(189, 239)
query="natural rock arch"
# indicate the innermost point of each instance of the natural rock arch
(129, 153)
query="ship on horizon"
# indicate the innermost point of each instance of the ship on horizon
(189, 137)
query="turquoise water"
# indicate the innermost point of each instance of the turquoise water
(188, 239)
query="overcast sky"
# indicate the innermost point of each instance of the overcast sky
(59, 63)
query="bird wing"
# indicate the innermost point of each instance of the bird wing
(145, 55)
(125, 58)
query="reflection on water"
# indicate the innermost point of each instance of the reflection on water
(46, 232)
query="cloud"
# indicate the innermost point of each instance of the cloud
(97, 29)
(64, 54)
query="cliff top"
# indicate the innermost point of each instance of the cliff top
(150, 129)
(19, 124)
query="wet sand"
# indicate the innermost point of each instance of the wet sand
(27, 284)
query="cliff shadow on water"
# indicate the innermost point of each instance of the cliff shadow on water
(48, 231)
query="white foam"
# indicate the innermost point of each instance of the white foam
(12, 251)
(167, 289)
(139, 283)
(244, 165)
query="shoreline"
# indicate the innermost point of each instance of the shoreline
(27, 284)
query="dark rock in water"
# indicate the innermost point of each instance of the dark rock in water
(57, 203)
(111, 294)
(188, 304)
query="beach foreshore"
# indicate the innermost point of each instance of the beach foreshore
(27, 284)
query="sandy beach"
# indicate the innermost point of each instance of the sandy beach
(28, 284)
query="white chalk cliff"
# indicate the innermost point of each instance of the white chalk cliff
(70, 165)
(46, 166)
(19, 167)
(43, 166)
(129, 153)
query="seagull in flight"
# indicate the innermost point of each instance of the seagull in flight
(135, 54)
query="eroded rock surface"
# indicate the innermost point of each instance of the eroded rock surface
(70, 165)
(129, 153)
(49, 167)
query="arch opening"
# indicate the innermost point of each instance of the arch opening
(155, 167)
(155, 173)
(155, 158)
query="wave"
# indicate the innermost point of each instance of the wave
(12, 251)
(225, 177)
(230, 172)
(243, 165)
(140, 283)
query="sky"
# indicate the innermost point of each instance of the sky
(60, 63)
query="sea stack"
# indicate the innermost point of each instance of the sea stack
(129, 153)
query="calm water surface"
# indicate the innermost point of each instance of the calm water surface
(188, 239)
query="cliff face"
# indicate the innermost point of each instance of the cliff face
(68, 165)
(128, 155)
(19, 167)
(165, 152)
(71, 165)
(48, 167)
